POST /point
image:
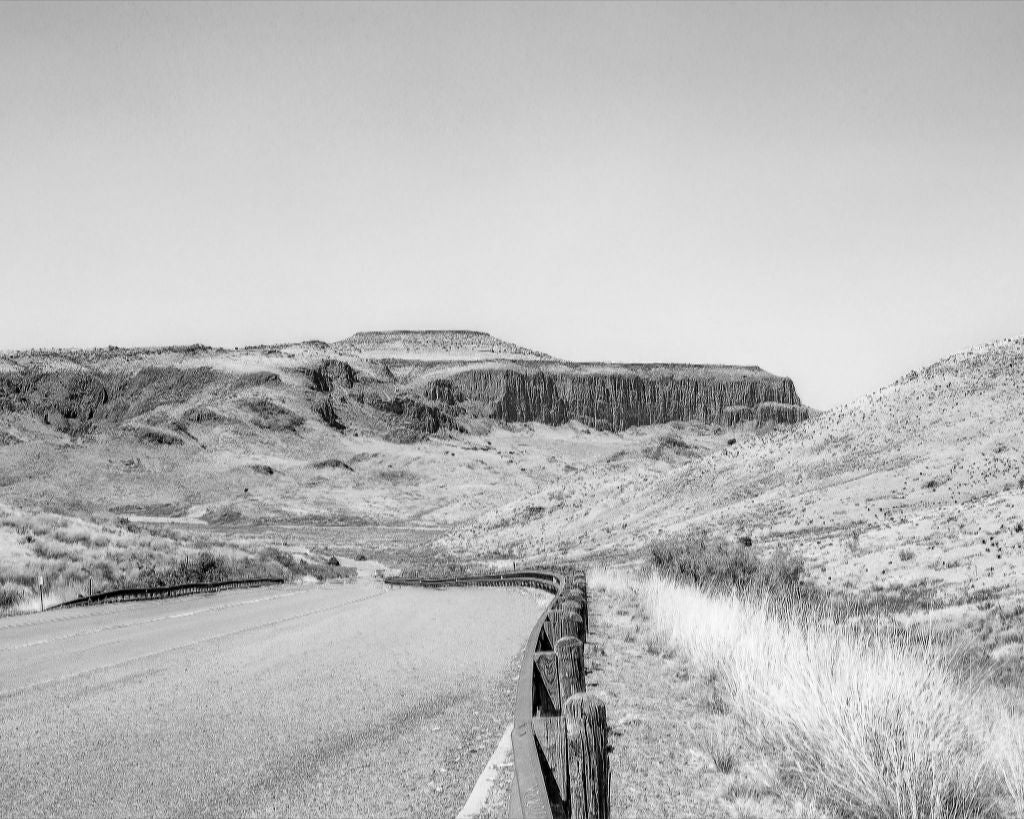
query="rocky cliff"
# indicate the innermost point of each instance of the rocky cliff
(398, 385)
(620, 397)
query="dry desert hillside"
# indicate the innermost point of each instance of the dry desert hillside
(916, 490)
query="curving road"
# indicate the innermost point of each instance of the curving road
(337, 700)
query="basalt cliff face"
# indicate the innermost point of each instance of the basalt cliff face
(400, 385)
(619, 397)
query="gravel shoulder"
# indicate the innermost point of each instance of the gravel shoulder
(676, 752)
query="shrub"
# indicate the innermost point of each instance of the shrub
(332, 463)
(11, 596)
(151, 435)
(282, 558)
(325, 571)
(712, 562)
(202, 415)
(274, 417)
(51, 551)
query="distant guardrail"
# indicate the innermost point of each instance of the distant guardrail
(560, 732)
(156, 592)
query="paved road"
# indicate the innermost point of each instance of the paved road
(339, 700)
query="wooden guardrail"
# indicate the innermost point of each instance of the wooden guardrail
(154, 592)
(560, 732)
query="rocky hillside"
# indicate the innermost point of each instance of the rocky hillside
(382, 427)
(400, 385)
(917, 486)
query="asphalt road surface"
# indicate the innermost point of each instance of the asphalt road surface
(338, 700)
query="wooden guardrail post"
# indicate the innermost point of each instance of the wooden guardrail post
(573, 607)
(574, 598)
(561, 761)
(571, 678)
(565, 623)
(586, 730)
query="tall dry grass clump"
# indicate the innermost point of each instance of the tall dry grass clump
(875, 723)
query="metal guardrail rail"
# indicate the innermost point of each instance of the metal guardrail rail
(531, 794)
(156, 592)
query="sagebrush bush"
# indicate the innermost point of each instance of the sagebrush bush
(712, 562)
(11, 596)
(272, 416)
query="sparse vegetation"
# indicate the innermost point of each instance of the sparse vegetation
(871, 722)
(76, 555)
(712, 562)
(720, 745)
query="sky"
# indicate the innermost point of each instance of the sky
(834, 192)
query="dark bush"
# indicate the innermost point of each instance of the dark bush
(202, 415)
(272, 416)
(149, 435)
(715, 563)
(11, 596)
(322, 571)
(279, 556)
(332, 463)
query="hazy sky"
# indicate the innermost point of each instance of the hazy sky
(834, 192)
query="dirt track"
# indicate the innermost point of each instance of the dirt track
(345, 700)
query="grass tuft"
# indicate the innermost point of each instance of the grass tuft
(720, 745)
(876, 723)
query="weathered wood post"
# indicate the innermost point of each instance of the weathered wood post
(586, 728)
(565, 623)
(573, 606)
(576, 597)
(41, 606)
(571, 678)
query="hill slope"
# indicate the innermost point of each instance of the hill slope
(404, 426)
(919, 484)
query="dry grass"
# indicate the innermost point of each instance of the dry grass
(873, 723)
(719, 743)
(1010, 758)
(75, 555)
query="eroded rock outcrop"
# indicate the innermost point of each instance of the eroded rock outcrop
(388, 384)
(621, 397)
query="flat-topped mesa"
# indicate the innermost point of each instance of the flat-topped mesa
(617, 397)
(434, 345)
(400, 384)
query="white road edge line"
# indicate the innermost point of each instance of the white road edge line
(485, 784)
